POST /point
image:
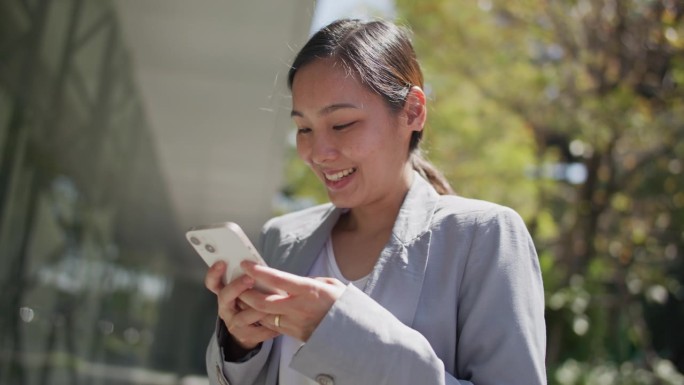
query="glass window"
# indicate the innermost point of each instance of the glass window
(91, 280)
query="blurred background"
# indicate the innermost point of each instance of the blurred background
(125, 122)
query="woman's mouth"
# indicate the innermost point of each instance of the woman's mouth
(339, 175)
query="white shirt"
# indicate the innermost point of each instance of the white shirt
(324, 266)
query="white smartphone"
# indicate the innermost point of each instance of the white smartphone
(226, 242)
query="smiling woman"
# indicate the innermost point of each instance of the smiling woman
(432, 288)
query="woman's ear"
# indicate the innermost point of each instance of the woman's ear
(415, 109)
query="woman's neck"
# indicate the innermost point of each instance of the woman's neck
(378, 216)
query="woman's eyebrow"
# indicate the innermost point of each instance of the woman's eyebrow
(327, 109)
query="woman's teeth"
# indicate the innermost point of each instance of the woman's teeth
(337, 176)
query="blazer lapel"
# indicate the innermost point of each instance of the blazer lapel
(397, 279)
(304, 250)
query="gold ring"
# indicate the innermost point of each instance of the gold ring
(276, 321)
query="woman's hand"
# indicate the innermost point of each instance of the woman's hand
(299, 312)
(243, 322)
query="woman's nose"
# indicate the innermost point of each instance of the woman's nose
(323, 149)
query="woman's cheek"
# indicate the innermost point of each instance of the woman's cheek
(303, 151)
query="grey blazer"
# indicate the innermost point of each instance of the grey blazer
(456, 297)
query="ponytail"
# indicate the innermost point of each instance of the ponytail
(431, 174)
(426, 169)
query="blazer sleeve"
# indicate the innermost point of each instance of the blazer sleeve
(360, 342)
(248, 371)
(501, 329)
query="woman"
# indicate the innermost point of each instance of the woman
(414, 286)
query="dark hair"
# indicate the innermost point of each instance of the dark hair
(380, 53)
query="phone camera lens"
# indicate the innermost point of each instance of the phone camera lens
(195, 241)
(210, 248)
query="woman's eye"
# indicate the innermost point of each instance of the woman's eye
(343, 126)
(303, 130)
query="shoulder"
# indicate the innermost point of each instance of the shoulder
(298, 223)
(495, 236)
(474, 212)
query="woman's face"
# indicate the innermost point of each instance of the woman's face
(349, 137)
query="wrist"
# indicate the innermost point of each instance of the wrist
(232, 350)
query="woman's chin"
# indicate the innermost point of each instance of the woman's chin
(340, 201)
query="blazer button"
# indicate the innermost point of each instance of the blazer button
(324, 379)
